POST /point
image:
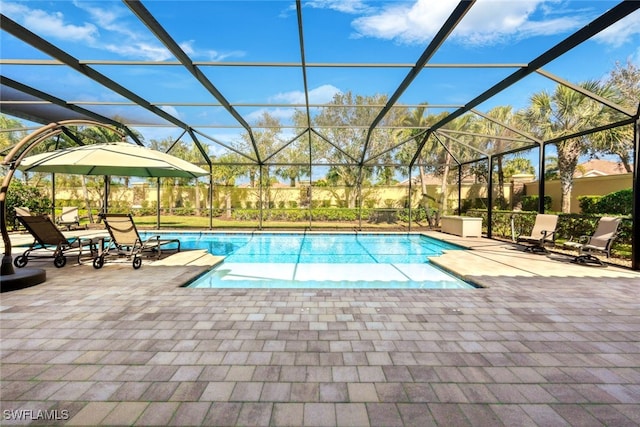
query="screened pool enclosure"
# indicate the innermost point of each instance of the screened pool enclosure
(279, 109)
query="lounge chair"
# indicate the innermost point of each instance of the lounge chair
(22, 211)
(544, 231)
(69, 218)
(49, 242)
(125, 241)
(601, 241)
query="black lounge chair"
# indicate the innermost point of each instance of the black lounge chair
(49, 242)
(544, 232)
(601, 241)
(125, 241)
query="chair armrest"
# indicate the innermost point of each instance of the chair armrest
(153, 238)
(546, 234)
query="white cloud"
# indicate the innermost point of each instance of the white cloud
(345, 6)
(170, 110)
(487, 22)
(50, 24)
(108, 29)
(209, 55)
(621, 32)
(140, 50)
(284, 115)
(319, 95)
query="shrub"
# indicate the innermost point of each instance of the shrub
(530, 203)
(589, 204)
(618, 202)
(30, 197)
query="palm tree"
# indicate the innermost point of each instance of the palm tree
(225, 172)
(562, 113)
(418, 120)
(496, 142)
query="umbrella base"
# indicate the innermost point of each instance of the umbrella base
(23, 278)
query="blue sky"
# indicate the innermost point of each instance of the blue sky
(351, 31)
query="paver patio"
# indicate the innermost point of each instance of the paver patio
(546, 342)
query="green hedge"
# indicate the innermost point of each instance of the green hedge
(530, 203)
(20, 195)
(617, 203)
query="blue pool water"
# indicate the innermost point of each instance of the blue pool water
(299, 260)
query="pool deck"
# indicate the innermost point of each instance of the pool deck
(545, 342)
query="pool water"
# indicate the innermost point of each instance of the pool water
(340, 260)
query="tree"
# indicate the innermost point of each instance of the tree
(518, 165)
(10, 134)
(418, 120)
(268, 140)
(225, 172)
(345, 123)
(625, 81)
(496, 142)
(562, 113)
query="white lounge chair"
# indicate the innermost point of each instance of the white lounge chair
(543, 232)
(69, 217)
(601, 241)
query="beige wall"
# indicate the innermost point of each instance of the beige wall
(590, 186)
(381, 196)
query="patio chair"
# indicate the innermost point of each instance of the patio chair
(49, 242)
(68, 218)
(125, 241)
(22, 211)
(601, 241)
(19, 211)
(543, 232)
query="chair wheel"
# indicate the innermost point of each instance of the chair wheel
(60, 261)
(98, 262)
(20, 261)
(137, 262)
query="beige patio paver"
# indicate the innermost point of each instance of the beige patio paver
(544, 342)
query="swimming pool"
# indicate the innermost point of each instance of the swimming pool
(323, 260)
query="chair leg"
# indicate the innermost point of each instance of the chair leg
(536, 249)
(588, 259)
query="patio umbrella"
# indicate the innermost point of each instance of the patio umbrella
(119, 159)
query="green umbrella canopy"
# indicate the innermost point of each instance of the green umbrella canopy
(119, 159)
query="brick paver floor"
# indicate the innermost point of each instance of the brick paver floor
(545, 342)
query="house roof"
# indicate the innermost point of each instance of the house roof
(599, 167)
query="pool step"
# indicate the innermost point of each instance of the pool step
(199, 257)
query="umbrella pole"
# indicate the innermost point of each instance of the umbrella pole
(53, 196)
(158, 205)
(105, 203)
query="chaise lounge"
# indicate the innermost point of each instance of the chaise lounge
(49, 242)
(125, 241)
(69, 218)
